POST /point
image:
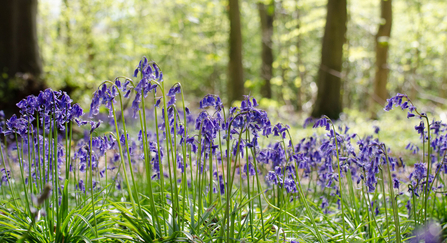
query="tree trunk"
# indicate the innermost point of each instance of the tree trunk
(301, 73)
(20, 63)
(328, 100)
(267, 14)
(235, 82)
(382, 43)
(346, 87)
(443, 88)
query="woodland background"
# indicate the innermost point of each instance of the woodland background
(314, 57)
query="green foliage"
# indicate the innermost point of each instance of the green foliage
(82, 41)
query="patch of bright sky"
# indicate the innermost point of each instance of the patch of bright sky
(55, 8)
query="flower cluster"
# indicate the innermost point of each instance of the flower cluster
(397, 100)
(177, 157)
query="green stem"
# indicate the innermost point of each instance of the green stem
(91, 185)
(393, 199)
(306, 205)
(339, 181)
(427, 184)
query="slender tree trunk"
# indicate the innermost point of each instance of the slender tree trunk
(267, 14)
(443, 89)
(283, 47)
(235, 82)
(20, 62)
(301, 73)
(328, 100)
(346, 86)
(382, 68)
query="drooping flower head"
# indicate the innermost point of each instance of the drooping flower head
(404, 102)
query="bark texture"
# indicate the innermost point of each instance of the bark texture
(328, 100)
(267, 15)
(20, 62)
(302, 74)
(382, 68)
(235, 84)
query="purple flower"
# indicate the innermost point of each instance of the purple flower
(94, 125)
(376, 129)
(249, 169)
(322, 122)
(396, 183)
(429, 233)
(81, 185)
(324, 202)
(419, 172)
(103, 95)
(420, 128)
(290, 185)
(271, 178)
(176, 89)
(136, 104)
(396, 101)
(211, 101)
(221, 185)
(408, 206)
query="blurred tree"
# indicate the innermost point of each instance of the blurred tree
(443, 87)
(301, 74)
(328, 100)
(20, 63)
(190, 41)
(235, 88)
(267, 14)
(382, 44)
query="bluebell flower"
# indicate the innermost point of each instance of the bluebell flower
(396, 183)
(395, 101)
(104, 95)
(249, 169)
(81, 185)
(221, 185)
(180, 164)
(271, 178)
(211, 101)
(420, 128)
(398, 101)
(290, 185)
(436, 126)
(412, 147)
(408, 206)
(175, 89)
(419, 173)
(136, 105)
(94, 125)
(16, 125)
(376, 129)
